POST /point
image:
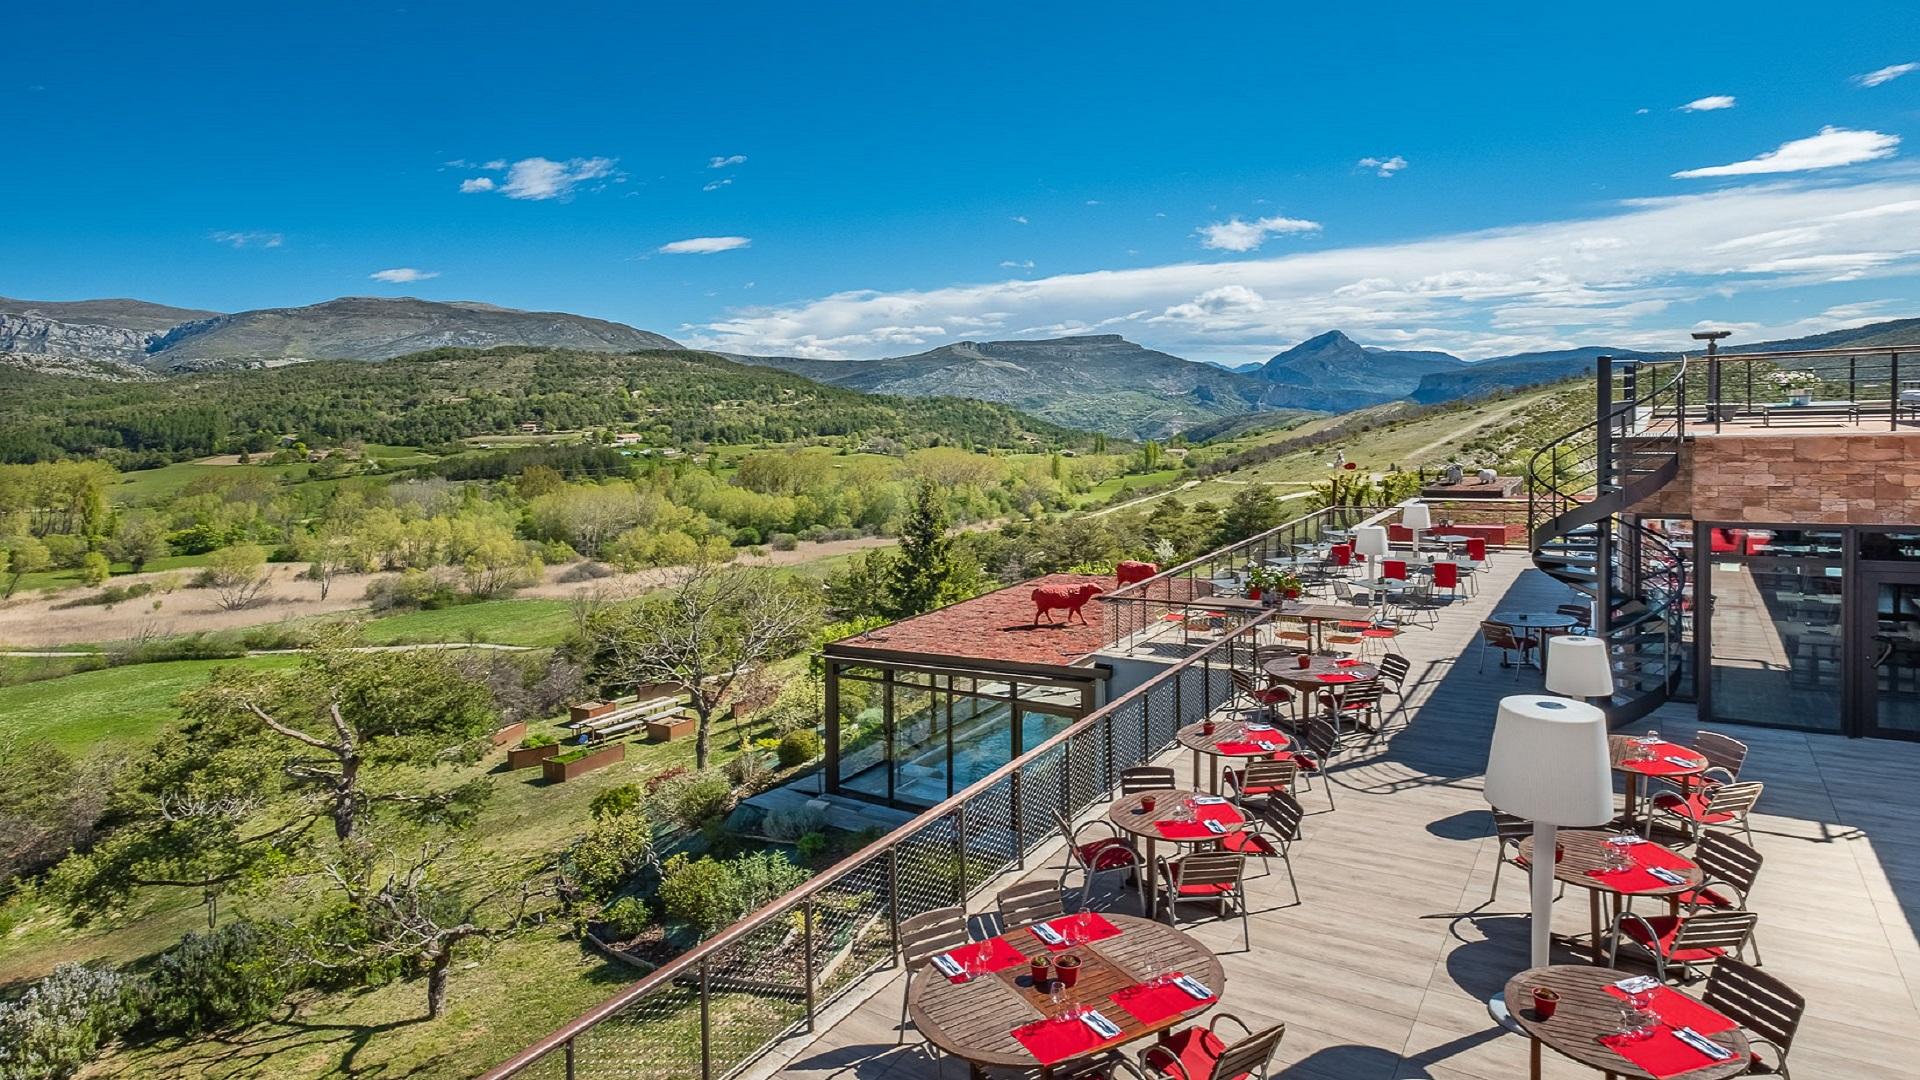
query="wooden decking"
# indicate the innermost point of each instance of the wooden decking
(1382, 969)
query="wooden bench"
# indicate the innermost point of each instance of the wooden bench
(626, 717)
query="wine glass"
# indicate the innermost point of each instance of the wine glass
(1645, 1020)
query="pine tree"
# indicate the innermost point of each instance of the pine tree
(925, 572)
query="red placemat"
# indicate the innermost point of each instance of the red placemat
(1053, 1040)
(1237, 748)
(1096, 928)
(1152, 1004)
(1661, 1054)
(1676, 1009)
(1184, 830)
(1000, 955)
(1346, 663)
(1637, 879)
(1658, 765)
(1338, 677)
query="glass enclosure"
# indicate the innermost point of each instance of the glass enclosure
(1776, 633)
(911, 737)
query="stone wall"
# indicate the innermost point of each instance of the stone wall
(1852, 478)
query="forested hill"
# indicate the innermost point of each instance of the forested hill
(441, 395)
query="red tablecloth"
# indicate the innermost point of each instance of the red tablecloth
(1339, 677)
(1224, 813)
(1095, 928)
(1678, 1010)
(1051, 1041)
(1637, 879)
(1660, 766)
(1661, 1054)
(1000, 955)
(1152, 1004)
(1238, 748)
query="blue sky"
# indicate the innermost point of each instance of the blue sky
(866, 179)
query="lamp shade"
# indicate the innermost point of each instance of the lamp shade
(1416, 516)
(1549, 761)
(1371, 541)
(1579, 667)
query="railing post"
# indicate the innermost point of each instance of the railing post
(569, 1059)
(893, 898)
(1893, 391)
(706, 1022)
(1713, 386)
(1604, 430)
(960, 853)
(806, 957)
(1018, 816)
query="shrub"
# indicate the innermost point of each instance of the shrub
(763, 877)
(107, 597)
(59, 1023)
(412, 589)
(783, 541)
(664, 777)
(586, 571)
(94, 568)
(538, 738)
(699, 892)
(617, 846)
(813, 846)
(229, 977)
(626, 917)
(615, 800)
(791, 825)
(799, 747)
(748, 771)
(690, 800)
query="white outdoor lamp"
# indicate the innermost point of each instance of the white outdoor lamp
(1416, 517)
(1548, 765)
(1578, 667)
(1371, 541)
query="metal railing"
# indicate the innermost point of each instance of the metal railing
(1844, 387)
(1135, 608)
(717, 1009)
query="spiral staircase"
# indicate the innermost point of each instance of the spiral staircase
(1578, 489)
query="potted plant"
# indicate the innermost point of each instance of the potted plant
(1068, 968)
(1272, 585)
(1798, 385)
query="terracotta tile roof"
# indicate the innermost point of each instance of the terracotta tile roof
(996, 628)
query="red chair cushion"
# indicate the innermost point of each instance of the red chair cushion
(1379, 632)
(1246, 842)
(1307, 762)
(1220, 888)
(1237, 777)
(1666, 927)
(1273, 695)
(1108, 854)
(1197, 1050)
(1691, 807)
(1706, 897)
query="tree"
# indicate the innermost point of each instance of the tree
(702, 634)
(48, 803)
(331, 551)
(138, 539)
(237, 575)
(325, 726)
(1253, 510)
(19, 556)
(94, 569)
(927, 573)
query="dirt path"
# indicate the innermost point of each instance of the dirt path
(1143, 499)
(1414, 457)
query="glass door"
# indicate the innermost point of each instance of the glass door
(1887, 669)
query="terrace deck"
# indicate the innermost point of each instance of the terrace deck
(1382, 969)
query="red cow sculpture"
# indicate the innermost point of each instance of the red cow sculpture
(1130, 571)
(1063, 597)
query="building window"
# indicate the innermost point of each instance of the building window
(1776, 633)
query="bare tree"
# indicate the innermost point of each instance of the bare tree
(237, 575)
(703, 633)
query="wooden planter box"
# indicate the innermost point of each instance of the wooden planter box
(559, 772)
(512, 733)
(587, 710)
(526, 757)
(670, 728)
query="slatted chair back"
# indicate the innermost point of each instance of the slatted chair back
(1359, 696)
(1198, 868)
(1510, 828)
(1581, 613)
(1446, 575)
(1722, 752)
(1029, 902)
(1499, 636)
(1281, 814)
(1145, 778)
(1477, 548)
(923, 937)
(1243, 683)
(1266, 777)
(1394, 568)
(1727, 861)
(1727, 931)
(1757, 1001)
(1394, 668)
(1323, 741)
(1735, 799)
(1249, 1056)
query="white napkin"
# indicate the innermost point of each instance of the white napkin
(1252, 728)
(1047, 934)
(1194, 987)
(948, 966)
(1683, 762)
(1215, 827)
(1264, 745)
(1637, 984)
(1208, 800)
(1101, 1026)
(1666, 875)
(1626, 840)
(1703, 1044)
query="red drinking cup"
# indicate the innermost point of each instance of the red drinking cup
(1545, 1001)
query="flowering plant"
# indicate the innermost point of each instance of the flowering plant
(1793, 380)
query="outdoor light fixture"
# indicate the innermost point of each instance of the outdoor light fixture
(1371, 541)
(1416, 516)
(1578, 667)
(1548, 765)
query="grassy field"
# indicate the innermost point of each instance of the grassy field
(70, 578)
(113, 708)
(502, 622)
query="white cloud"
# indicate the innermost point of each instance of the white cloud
(1383, 166)
(538, 178)
(400, 275)
(1636, 275)
(704, 245)
(1709, 104)
(247, 239)
(1237, 235)
(723, 162)
(1832, 147)
(1885, 75)
(717, 184)
(1016, 264)
(1018, 219)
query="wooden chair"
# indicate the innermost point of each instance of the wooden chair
(1267, 699)
(1711, 804)
(923, 937)
(1767, 1008)
(1100, 854)
(1693, 940)
(1261, 779)
(1582, 613)
(1029, 902)
(1495, 635)
(1207, 876)
(1725, 757)
(1394, 669)
(1730, 868)
(1275, 826)
(1354, 701)
(1323, 742)
(1377, 640)
(1199, 1053)
(1146, 778)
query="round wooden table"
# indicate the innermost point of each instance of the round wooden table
(1309, 679)
(1622, 747)
(1587, 1012)
(974, 1020)
(1206, 747)
(1583, 850)
(1125, 813)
